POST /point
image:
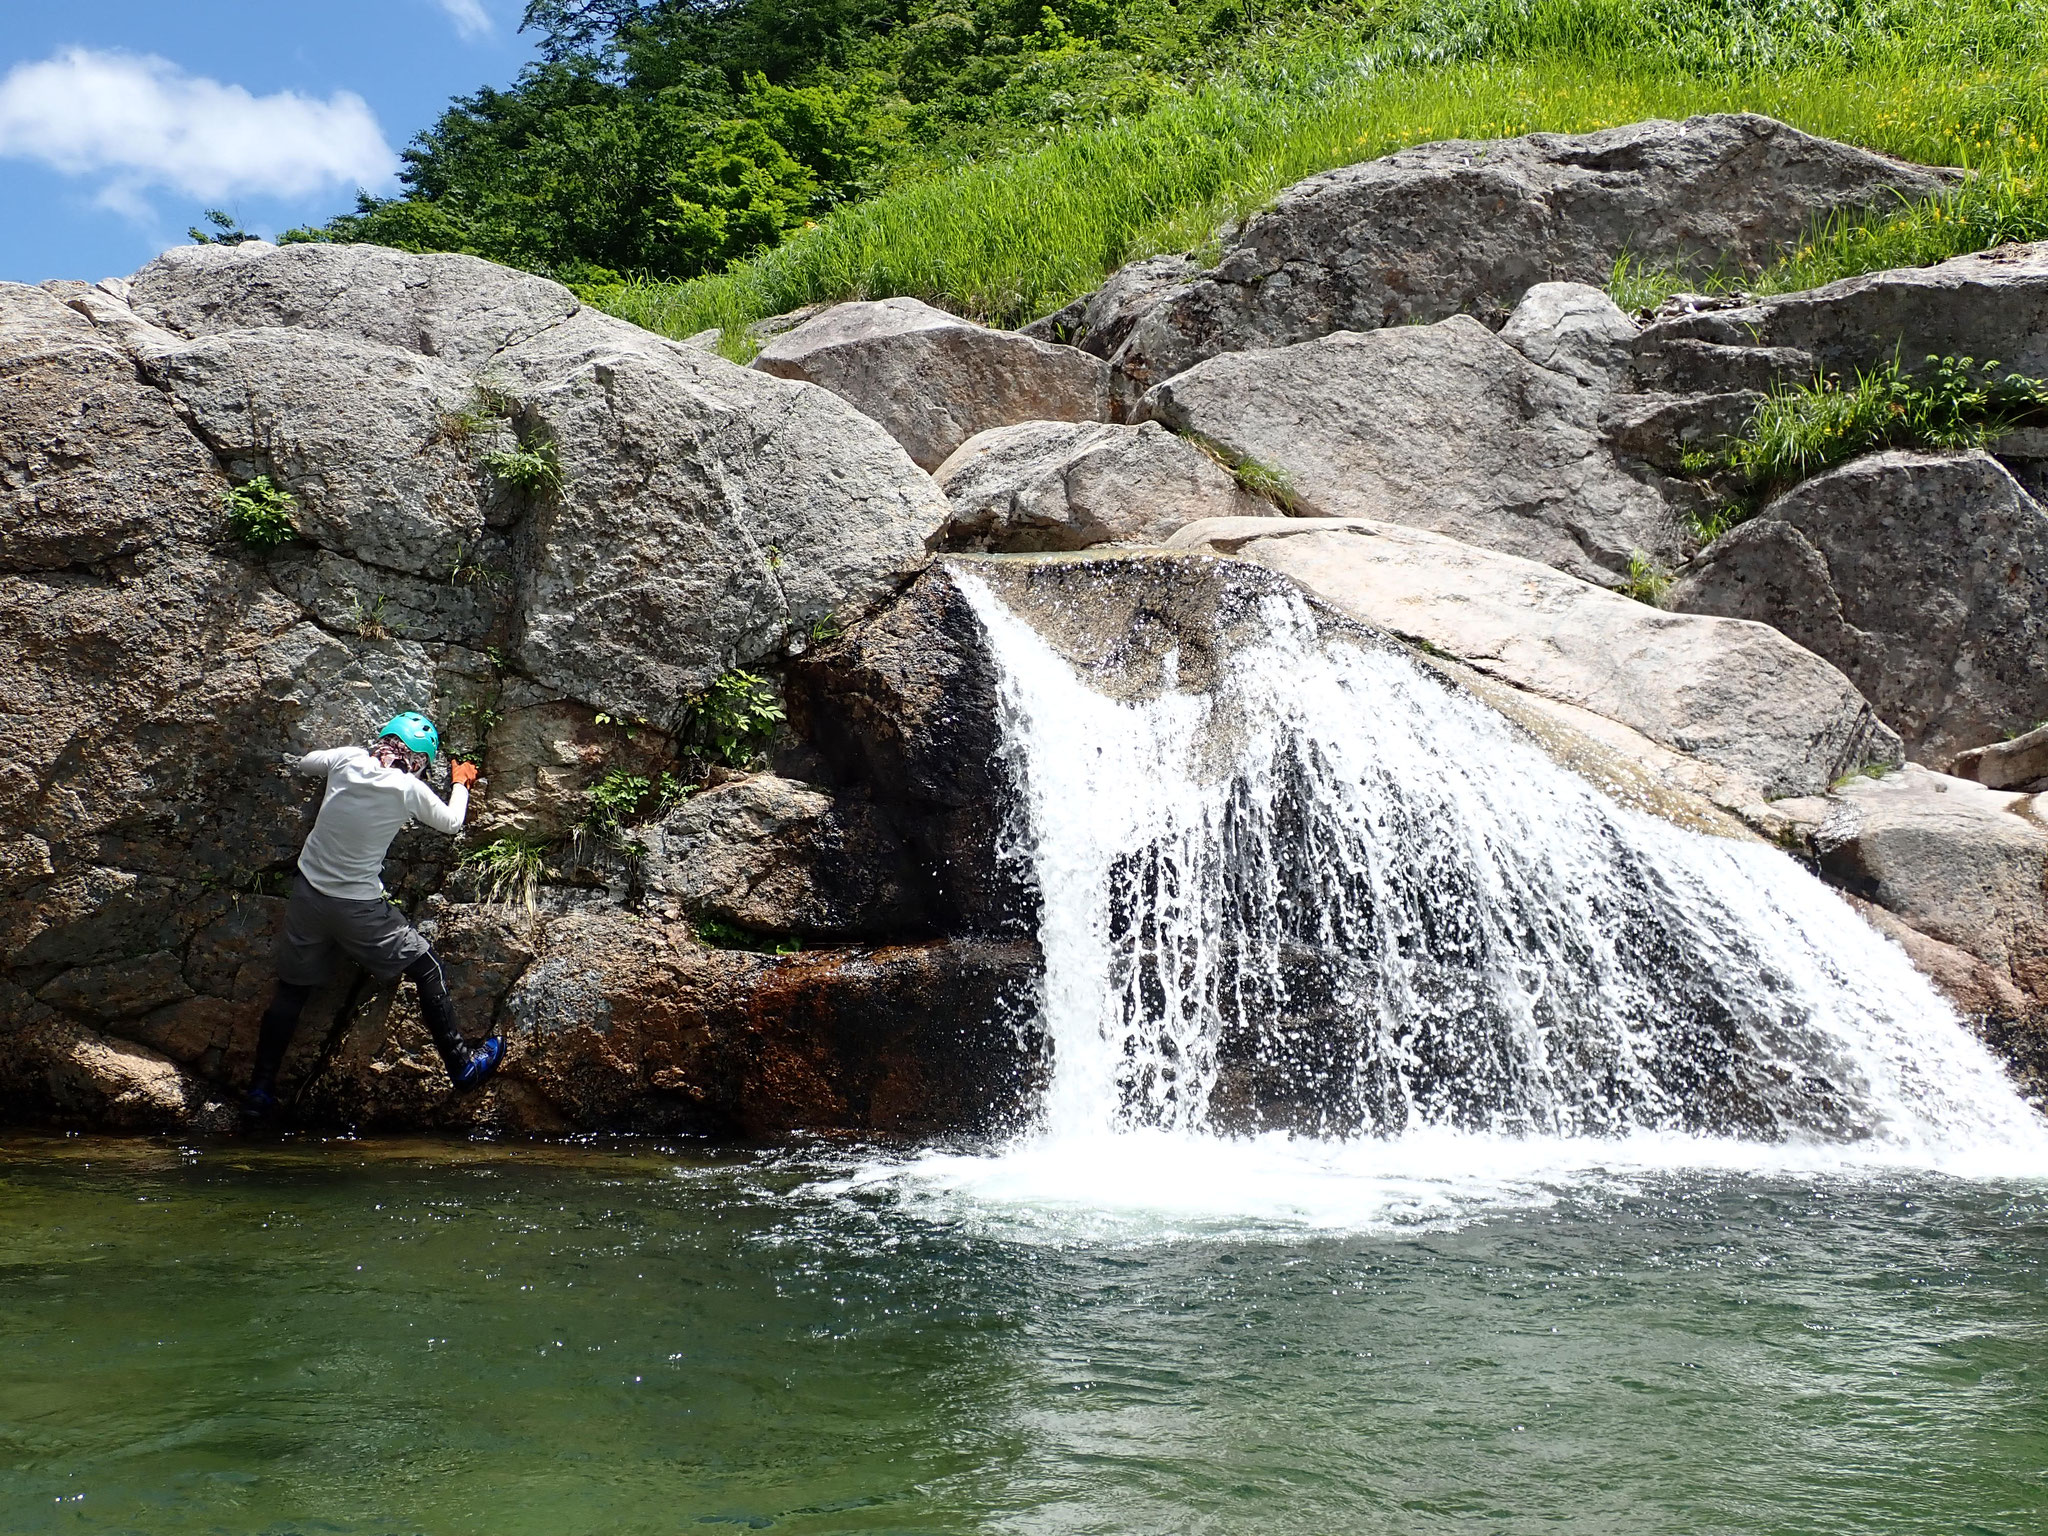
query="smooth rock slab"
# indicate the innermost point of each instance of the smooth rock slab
(1959, 862)
(1920, 575)
(1444, 427)
(1735, 694)
(1468, 226)
(934, 380)
(1048, 485)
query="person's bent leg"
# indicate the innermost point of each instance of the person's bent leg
(280, 1023)
(466, 1068)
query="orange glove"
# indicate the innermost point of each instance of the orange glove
(463, 773)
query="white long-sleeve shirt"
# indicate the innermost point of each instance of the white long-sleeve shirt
(367, 805)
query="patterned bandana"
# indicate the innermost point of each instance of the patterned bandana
(393, 753)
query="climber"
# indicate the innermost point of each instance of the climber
(338, 901)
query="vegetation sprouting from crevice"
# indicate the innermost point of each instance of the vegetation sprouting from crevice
(1799, 430)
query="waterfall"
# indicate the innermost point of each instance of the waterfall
(1332, 896)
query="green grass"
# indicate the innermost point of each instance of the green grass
(1014, 237)
(1954, 402)
(533, 468)
(1648, 582)
(507, 870)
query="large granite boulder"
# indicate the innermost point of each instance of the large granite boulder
(934, 380)
(1052, 485)
(1445, 427)
(1920, 575)
(705, 515)
(1738, 695)
(1467, 227)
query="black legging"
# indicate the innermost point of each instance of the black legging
(281, 1022)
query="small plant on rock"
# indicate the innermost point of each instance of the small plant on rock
(260, 513)
(1255, 478)
(535, 469)
(1648, 582)
(613, 801)
(507, 870)
(734, 719)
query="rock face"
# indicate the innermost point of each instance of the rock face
(1918, 574)
(1047, 485)
(704, 514)
(777, 857)
(155, 671)
(1990, 305)
(934, 380)
(1444, 427)
(1738, 695)
(1466, 227)
(1965, 867)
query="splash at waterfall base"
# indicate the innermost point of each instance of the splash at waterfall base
(1299, 891)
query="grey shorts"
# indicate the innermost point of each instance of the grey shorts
(374, 934)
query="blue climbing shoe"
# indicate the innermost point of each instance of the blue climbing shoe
(483, 1061)
(259, 1107)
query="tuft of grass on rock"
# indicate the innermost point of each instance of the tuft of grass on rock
(1648, 581)
(532, 468)
(1799, 430)
(507, 870)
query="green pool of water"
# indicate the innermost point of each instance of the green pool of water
(411, 1337)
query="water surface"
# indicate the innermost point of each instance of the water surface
(416, 1337)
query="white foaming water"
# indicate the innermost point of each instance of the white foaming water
(1332, 946)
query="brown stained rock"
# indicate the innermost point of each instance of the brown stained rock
(934, 380)
(82, 1077)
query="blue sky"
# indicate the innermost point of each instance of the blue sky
(120, 121)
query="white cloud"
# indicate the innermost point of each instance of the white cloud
(469, 16)
(144, 122)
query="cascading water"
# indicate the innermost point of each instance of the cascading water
(1335, 903)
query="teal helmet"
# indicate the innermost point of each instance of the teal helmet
(415, 730)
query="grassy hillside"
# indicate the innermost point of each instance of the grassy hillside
(1016, 232)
